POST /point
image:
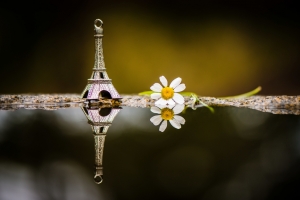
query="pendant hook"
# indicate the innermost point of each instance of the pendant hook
(98, 29)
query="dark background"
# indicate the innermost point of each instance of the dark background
(219, 48)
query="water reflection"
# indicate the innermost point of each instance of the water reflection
(167, 113)
(214, 159)
(39, 161)
(100, 119)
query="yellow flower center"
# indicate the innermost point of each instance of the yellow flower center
(167, 113)
(167, 93)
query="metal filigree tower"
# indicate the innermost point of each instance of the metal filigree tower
(100, 119)
(99, 85)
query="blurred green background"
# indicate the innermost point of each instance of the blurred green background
(218, 48)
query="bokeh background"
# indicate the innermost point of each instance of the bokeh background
(219, 48)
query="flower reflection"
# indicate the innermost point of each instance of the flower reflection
(167, 113)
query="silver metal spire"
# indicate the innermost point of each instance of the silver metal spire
(99, 85)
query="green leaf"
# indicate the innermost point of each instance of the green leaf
(146, 93)
(248, 94)
(187, 94)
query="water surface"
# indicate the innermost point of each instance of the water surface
(233, 153)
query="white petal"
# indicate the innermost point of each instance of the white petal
(179, 88)
(156, 87)
(170, 102)
(155, 110)
(178, 108)
(164, 81)
(175, 124)
(161, 101)
(170, 106)
(156, 119)
(161, 106)
(180, 119)
(163, 126)
(155, 95)
(178, 98)
(175, 82)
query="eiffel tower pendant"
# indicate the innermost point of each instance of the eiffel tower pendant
(99, 85)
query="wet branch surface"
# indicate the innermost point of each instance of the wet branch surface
(272, 104)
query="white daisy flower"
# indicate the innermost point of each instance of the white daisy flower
(167, 95)
(167, 113)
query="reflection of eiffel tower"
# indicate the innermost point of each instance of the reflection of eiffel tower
(100, 119)
(99, 85)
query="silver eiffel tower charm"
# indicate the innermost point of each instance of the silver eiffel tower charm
(99, 85)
